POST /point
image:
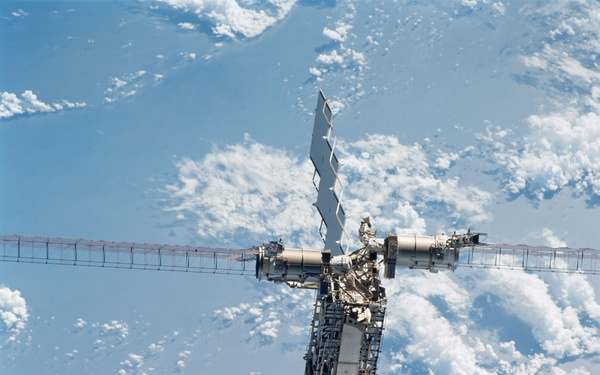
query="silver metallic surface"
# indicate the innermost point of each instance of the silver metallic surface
(433, 253)
(274, 263)
(347, 325)
(425, 252)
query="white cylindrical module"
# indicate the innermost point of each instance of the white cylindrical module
(426, 252)
(293, 265)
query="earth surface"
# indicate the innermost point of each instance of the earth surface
(189, 122)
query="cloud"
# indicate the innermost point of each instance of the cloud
(439, 342)
(437, 324)
(189, 56)
(447, 353)
(155, 349)
(557, 329)
(330, 58)
(28, 104)
(13, 315)
(550, 239)
(339, 32)
(128, 347)
(469, 3)
(560, 310)
(187, 26)
(116, 328)
(111, 334)
(133, 361)
(557, 63)
(244, 191)
(561, 149)
(407, 187)
(130, 84)
(180, 364)
(233, 19)
(279, 309)
(127, 85)
(340, 63)
(78, 326)
(247, 191)
(564, 65)
(19, 13)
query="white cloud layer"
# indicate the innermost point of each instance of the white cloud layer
(13, 315)
(439, 319)
(341, 58)
(407, 185)
(339, 31)
(187, 26)
(266, 318)
(247, 191)
(559, 149)
(19, 13)
(262, 193)
(127, 85)
(234, 19)
(126, 347)
(28, 104)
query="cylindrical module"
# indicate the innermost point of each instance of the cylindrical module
(288, 265)
(426, 252)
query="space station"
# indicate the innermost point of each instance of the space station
(347, 326)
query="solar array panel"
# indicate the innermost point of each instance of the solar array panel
(326, 180)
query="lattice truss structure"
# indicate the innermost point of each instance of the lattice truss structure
(110, 254)
(347, 324)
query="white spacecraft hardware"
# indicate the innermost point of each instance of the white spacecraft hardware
(347, 325)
